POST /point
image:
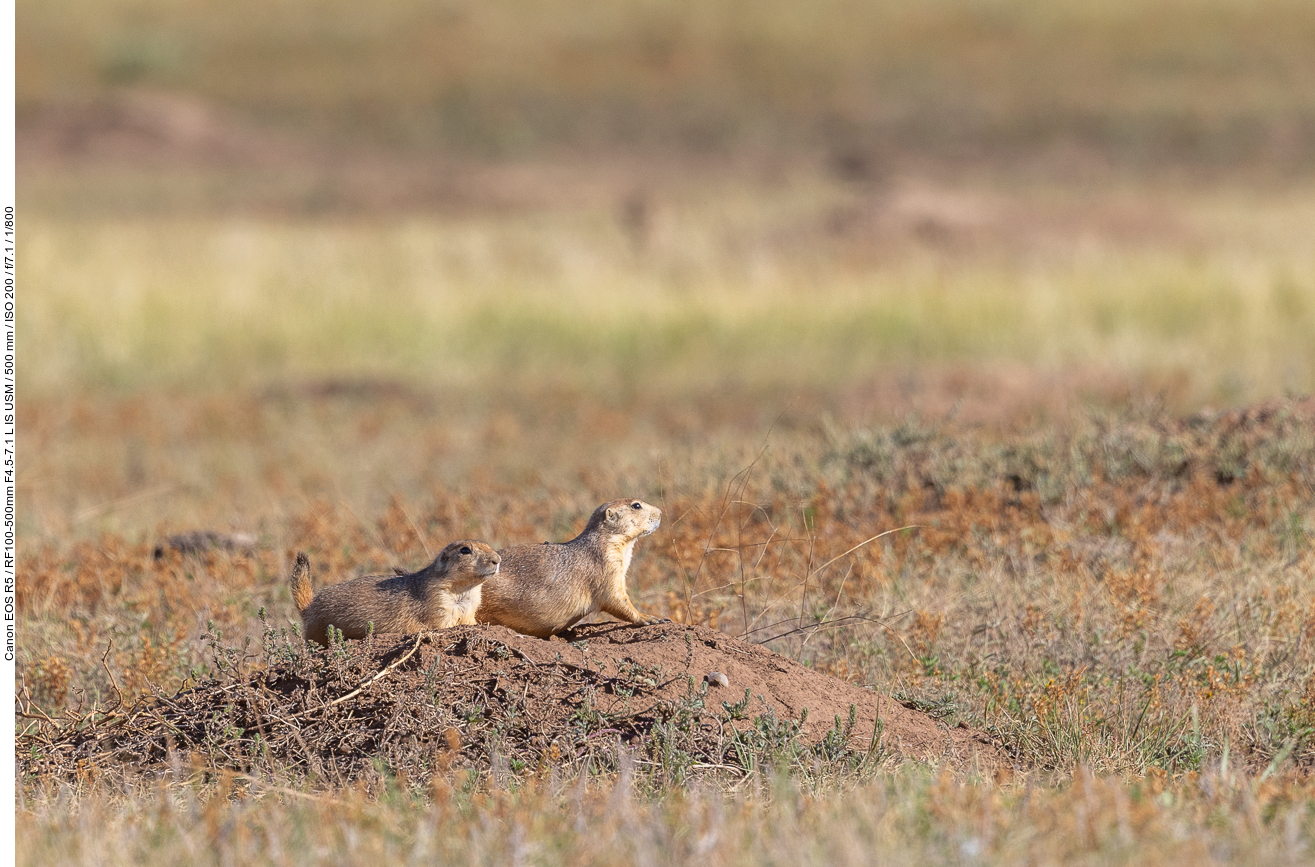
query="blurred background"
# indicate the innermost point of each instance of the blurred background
(620, 226)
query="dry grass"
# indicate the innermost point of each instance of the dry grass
(982, 268)
(1121, 595)
(1127, 594)
(917, 815)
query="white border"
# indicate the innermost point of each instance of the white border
(8, 430)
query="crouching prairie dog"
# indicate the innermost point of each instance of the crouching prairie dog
(544, 589)
(445, 593)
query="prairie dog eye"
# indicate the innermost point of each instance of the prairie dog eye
(465, 549)
(636, 505)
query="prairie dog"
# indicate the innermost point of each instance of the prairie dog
(444, 593)
(544, 589)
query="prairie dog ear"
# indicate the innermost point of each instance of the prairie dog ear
(611, 516)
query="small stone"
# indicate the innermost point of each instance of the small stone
(716, 678)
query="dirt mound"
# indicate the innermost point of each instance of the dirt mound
(673, 656)
(490, 699)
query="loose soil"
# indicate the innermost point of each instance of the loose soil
(491, 699)
(671, 661)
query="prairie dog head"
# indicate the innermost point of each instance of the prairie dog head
(628, 519)
(465, 563)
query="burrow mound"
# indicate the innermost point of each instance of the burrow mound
(674, 655)
(491, 699)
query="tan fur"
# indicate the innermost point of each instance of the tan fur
(445, 593)
(544, 589)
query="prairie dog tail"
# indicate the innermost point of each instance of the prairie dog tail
(299, 581)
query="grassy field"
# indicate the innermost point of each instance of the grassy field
(448, 339)
(1119, 593)
(723, 290)
(1036, 280)
(911, 816)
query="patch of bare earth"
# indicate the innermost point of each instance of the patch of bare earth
(674, 656)
(490, 699)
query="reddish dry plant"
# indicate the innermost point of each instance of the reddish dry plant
(1124, 587)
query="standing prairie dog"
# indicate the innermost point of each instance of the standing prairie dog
(544, 589)
(445, 593)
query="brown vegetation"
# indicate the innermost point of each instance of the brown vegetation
(910, 318)
(1129, 594)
